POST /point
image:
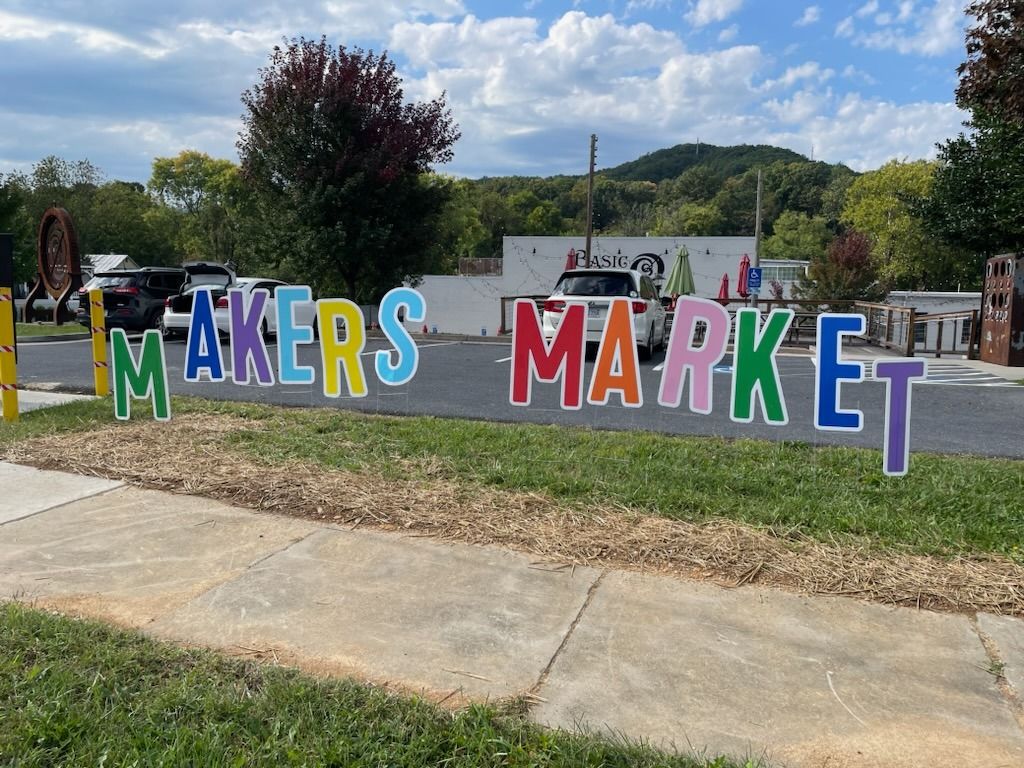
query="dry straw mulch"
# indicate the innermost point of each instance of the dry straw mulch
(190, 455)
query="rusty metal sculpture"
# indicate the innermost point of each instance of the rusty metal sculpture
(58, 264)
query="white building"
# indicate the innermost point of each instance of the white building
(481, 305)
(956, 332)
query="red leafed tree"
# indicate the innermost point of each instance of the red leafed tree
(844, 272)
(342, 167)
(992, 77)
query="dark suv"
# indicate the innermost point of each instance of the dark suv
(133, 299)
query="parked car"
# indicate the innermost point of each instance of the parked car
(305, 313)
(177, 312)
(596, 288)
(133, 299)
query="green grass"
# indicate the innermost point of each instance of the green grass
(79, 693)
(945, 505)
(48, 329)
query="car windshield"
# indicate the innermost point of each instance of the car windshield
(110, 281)
(594, 285)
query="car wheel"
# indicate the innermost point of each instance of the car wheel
(647, 349)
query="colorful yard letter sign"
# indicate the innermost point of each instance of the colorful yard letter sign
(399, 372)
(832, 370)
(290, 334)
(755, 371)
(617, 368)
(202, 350)
(533, 358)
(683, 356)
(343, 354)
(898, 375)
(248, 349)
(140, 380)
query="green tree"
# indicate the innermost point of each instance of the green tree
(884, 205)
(690, 220)
(977, 198)
(544, 219)
(337, 157)
(797, 236)
(121, 222)
(209, 195)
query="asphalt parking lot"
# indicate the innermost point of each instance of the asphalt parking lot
(958, 411)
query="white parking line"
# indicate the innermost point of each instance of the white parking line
(504, 359)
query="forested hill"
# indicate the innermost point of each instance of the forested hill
(721, 161)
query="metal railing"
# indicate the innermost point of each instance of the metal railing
(898, 328)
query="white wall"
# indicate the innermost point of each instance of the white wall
(531, 267)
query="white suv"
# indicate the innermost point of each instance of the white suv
(596, 288)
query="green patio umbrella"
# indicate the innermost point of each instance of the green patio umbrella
(680, 277)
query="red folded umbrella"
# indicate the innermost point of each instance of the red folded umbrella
(570, 260)
(741, 282)
(723, 289)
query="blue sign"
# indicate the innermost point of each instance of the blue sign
(754, 279)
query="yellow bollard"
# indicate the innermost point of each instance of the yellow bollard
(100, 369)
(8, 369)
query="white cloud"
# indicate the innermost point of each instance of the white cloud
(866, 133)
(96, 40)
(812, 14)
(867, 9)
(247, 40)
(358, 18)
(729, 33)
(809, 70)
(930, 31)
(705, 12)
(851, 72)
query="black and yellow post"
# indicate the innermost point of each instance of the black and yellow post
(8, 365)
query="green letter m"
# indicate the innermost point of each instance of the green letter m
(146, 379)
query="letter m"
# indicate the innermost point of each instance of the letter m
(147, 378)
(533, 358)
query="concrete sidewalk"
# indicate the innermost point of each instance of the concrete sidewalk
(803, 681)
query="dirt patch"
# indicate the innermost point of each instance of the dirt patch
(191, 455)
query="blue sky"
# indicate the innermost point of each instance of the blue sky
(857, 82)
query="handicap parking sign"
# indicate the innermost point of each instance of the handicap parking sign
(754, 279)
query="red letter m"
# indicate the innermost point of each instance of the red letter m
(532, 357)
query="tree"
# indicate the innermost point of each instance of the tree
(121, 222)
(845, 271)
(797, 236)
(337, 156)
(211, 199)
(690, 219)
(977, 198)
(992, 76)
(884, 205)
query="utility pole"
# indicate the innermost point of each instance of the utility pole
(757, 224)
(590, 194)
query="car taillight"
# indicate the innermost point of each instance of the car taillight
(554, 306)
(167, 302)
(222, 302)
(131, 290)
(639, 307)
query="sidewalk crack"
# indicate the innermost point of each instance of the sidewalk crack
(996, 665)
(546, 672)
